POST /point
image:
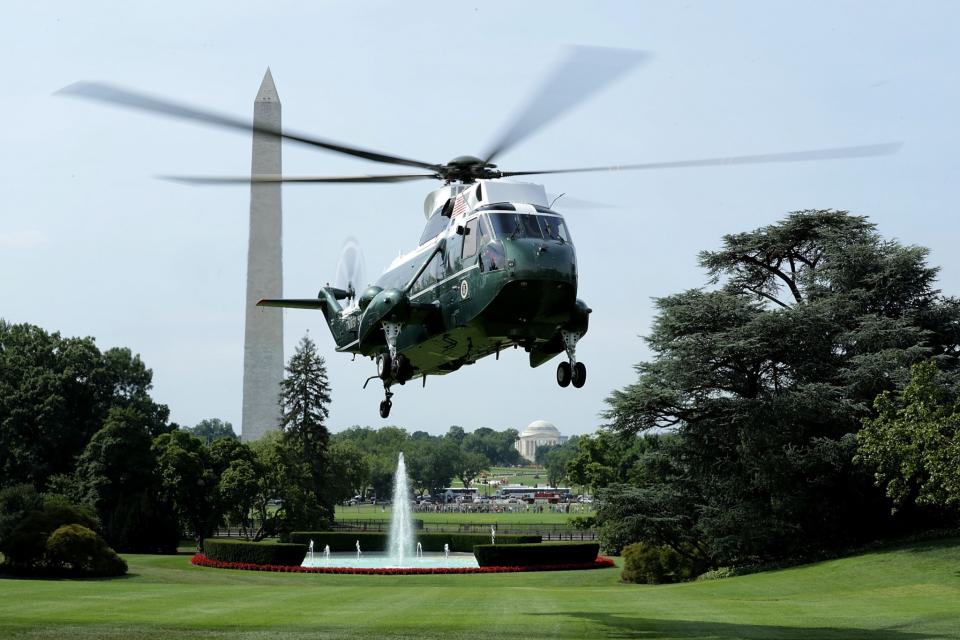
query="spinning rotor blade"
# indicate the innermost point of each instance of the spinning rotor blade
(585, 71)
(267, 178)
(351, 269)
(834, 153)
(131, 99)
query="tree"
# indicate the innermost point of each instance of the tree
(187, 480)
(117, 474)
(496, 446)
(349, 471)
(913, 445)
(766, 380)
(469, 465)
(212, 429)
(556, 460)
(431, 464)
(304, 401)
(55, 393)
(240, 492)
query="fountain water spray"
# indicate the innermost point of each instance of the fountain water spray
(400, 542)
(419, 550)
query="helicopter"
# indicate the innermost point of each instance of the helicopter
(495, 266)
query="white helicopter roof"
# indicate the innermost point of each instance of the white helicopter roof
(471, 196)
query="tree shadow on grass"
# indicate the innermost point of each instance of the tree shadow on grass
(626, 626)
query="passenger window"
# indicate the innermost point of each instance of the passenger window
(470, 239)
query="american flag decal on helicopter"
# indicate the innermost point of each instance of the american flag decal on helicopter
(459, 206)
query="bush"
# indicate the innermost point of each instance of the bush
(526, 555)
(377, 541)
(26, 545)
(77, 549)
(647, 563)
(277, 553)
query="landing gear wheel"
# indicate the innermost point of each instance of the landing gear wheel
(579, 374)
(563, 374)
(385, 367)
(385, 407)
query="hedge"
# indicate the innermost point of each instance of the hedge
(545, 553)
(202, 561)
(266, 553)
(377, 541)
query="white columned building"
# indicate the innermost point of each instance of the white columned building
(537, 433)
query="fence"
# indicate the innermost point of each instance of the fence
(547, 531)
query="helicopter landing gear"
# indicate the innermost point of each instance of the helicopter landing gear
(391, 330)
(579, 375)
(564, 374)
(386, 404)
(571, 371)
(384, 366)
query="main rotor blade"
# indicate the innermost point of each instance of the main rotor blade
(582, 73)
(834, 153)
(268, 178)
(134, 100)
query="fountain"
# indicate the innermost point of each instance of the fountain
(402, 548)
(493, 535)
(400, 542)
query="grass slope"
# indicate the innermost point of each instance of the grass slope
(906, 593)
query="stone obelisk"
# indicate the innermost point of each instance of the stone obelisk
(263, 332)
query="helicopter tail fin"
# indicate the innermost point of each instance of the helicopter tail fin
(326, 301)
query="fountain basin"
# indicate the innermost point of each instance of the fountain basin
(386, 561)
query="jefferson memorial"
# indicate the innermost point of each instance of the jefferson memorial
(537, 433)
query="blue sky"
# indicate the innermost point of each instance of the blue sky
(92, 244)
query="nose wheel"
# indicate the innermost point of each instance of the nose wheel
(385, 406)
(571, 372)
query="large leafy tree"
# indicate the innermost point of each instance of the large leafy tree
(913, 444)
(305, 400)
(766, 379)
(188, 481)
(55, 393)
(117, 475)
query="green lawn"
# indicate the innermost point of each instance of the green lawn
(909, 593)
(372, 512)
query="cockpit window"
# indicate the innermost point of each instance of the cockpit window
(435, 226)
(523, 225)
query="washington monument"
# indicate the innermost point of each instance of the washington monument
(263, 332)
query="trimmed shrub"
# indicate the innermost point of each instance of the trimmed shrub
(656, 564)
(76, 549)
(276, 553)
(377, 541)
(527, 555)
(26, 545)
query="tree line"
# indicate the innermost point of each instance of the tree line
(78, 429)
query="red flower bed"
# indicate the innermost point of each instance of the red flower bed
(202, 561)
